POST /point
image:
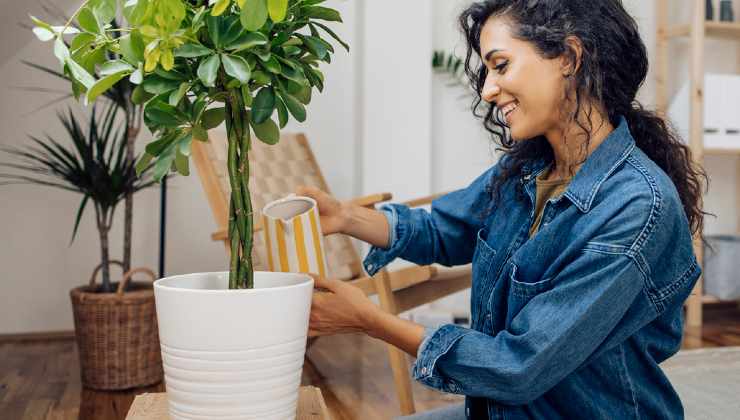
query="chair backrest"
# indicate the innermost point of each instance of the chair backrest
(276, 171)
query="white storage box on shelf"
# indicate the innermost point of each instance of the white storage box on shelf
(721, 111)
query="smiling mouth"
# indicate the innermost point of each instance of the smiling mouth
(509, 108)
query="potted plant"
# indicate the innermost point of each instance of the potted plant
(232, 343)
(116, 332)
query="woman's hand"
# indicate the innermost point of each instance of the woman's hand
(332, 213)
(340, 308)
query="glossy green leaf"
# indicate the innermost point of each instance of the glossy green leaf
(213, 117)
(253, 14)
(220, 7)
(200, 133)
(208, 70)
(182, 163)
(80, 211)
(263, 105)
(158, 85)
(277, 9)
(272, 65)
(177, 95)
(236, 67)
(314, 45)
(332, 34)
(143, 163)
(185, 144)
(295, 107)
(164, 163)
(192, 50)
(132, 47)
(282, 112)
(267, 131)
(323, 13)
(81, 41)
(247, 40)
(137, 76)
(102, 85)
(114, 66)
(104, 10)
(164, 115)
(80, 74)
(87, 21)
(139, 96)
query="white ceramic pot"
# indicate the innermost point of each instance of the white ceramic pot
(233, 354)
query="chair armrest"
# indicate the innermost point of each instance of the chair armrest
(399, 279)
(371, 200)
(222, 235)
(424, 200)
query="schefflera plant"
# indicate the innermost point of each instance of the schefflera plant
(196, 65)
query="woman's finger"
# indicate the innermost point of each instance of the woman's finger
(321, 282)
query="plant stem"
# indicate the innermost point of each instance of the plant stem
(132, 131)
(104, 258)
(240, 218)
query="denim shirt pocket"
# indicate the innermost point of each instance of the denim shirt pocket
(483, 262)
(522, 291)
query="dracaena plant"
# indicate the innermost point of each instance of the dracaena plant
(196, 65)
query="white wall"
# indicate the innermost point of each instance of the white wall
(384, 123)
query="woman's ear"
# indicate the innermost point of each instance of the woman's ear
(571, 59)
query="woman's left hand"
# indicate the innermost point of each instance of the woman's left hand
(341, 308)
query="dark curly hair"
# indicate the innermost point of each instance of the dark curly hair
(613, 66)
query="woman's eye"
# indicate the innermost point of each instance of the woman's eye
(500, 67)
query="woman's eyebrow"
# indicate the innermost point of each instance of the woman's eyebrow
(490, 53)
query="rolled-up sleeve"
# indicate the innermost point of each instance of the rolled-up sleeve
(446, 235)
(581, 313)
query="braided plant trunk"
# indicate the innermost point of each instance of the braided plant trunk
(241, 222)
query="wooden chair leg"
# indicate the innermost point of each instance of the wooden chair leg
(399, 364)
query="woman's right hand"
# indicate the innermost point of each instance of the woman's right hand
(332, 212)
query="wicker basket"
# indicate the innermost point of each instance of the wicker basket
(117, 334)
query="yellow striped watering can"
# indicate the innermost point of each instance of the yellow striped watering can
(293, 237)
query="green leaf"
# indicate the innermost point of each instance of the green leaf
(87, 21)
(104, 84)
(185, 144)
(177, 95)
(200, 133)
(300, 91)
(40, 23)
(137, 76)
(158, 146)
(132, 47)
(192, 50)
(233, 29)
(267, 131)
(315, 45)
(246, 96)
(43, 34)
(164, 162)
(159, 85)
(332, 34)
(272, 65)
(323, 13)
(143, 163)
(282, 112)
(236, 67)
(213, 117)
(208, 70)
(263, 105)
(164, 115)
(139, 96)
(261, 78)
(220, 7)
(104, 10)
(247, 40)
(80, 74)
(253, 14)
(114, 66)
(277, 9)
(80, 211)
(61, 52)
(294, 106)
(182, 163)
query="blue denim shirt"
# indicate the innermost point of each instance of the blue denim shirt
(572, 322)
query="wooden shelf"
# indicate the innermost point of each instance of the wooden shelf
(721, 152)
(718, 30)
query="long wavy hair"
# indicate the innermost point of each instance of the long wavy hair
(612, 67)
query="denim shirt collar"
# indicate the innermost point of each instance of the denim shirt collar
(597, 168)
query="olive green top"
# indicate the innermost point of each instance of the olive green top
(545, 191)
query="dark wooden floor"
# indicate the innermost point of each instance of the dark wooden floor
(40, 379)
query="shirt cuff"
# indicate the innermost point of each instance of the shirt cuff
(436, 344)
(400, 232)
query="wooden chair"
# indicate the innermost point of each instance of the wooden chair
(275, 172)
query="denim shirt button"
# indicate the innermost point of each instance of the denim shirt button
(424, 371)
(370, 267)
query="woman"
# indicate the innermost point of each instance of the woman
(580, 237)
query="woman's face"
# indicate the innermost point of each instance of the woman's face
(526, 88)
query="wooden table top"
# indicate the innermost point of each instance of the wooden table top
(311, 406)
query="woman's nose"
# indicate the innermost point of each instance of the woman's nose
(490, 90)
